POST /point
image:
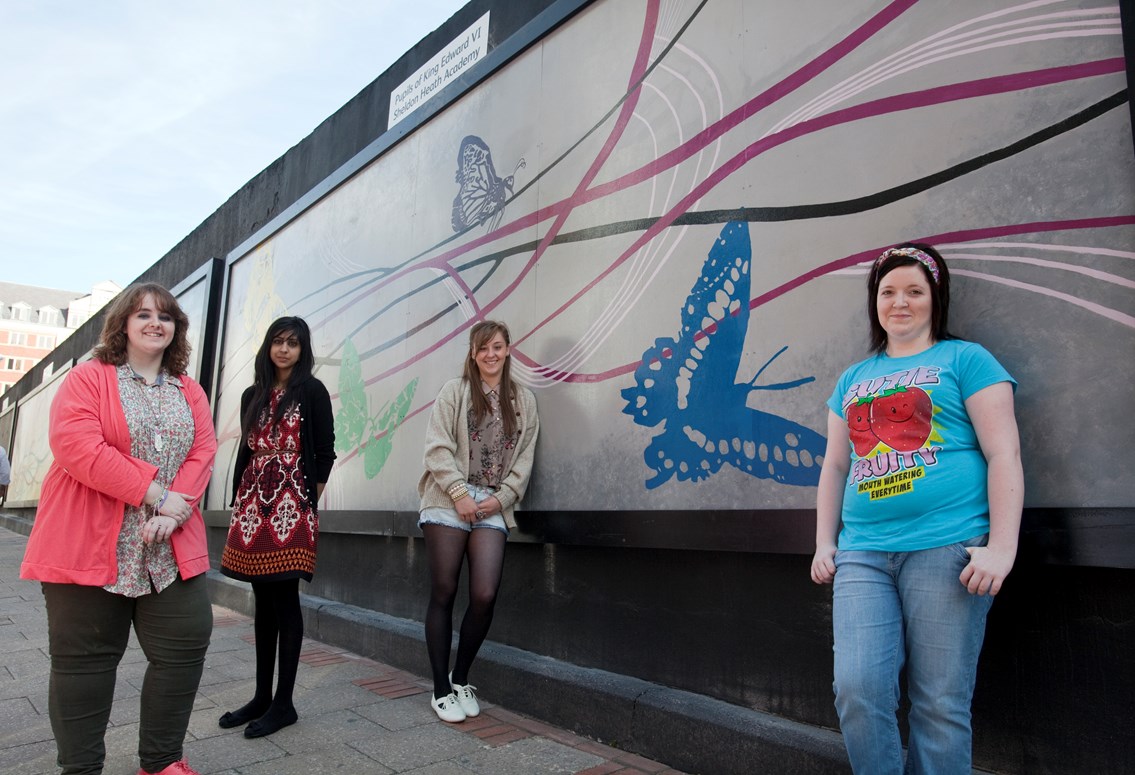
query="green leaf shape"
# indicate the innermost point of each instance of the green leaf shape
(377, 450)
(351, 420)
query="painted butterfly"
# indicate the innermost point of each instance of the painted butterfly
(689, 384)
(481, 194)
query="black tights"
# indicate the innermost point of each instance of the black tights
(278, 619)
(446, 548)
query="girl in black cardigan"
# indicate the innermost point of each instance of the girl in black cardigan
(286, 453)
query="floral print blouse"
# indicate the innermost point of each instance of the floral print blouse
(490, 451)
(161, 433)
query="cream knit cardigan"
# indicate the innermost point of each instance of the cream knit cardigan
(447, 448)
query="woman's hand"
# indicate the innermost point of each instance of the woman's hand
(177, 507)
(488, 507)
(466, 508)
(823, 564)
(987, 569)
(470, 511)
(158, 529)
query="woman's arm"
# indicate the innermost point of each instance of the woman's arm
(991, 412)
(193, 475)
(78, 436)
(440, 456)
(323, 432)
(515, 482)
(829, 498)
(243, 453)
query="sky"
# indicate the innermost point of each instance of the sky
(125, 123)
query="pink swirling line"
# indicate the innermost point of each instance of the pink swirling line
(582, 195)
(625, 114)
(896, 103)
(684, 151)
(961, 236)
(910, 100)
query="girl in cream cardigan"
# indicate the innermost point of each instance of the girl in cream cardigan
(478, 458)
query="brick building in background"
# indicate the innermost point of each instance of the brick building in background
(34, 320)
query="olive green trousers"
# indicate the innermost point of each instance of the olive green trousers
(88, 631)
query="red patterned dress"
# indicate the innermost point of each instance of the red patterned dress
(274, 529)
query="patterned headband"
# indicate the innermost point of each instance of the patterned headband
(921, 256)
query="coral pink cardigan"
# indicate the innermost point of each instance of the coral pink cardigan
(93, 478)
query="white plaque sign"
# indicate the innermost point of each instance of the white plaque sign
(467, 49)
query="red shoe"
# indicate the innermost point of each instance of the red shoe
(177, 768)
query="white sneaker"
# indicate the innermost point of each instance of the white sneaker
(465, 698)
(448, 708)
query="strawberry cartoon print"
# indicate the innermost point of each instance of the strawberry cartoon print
(863, 439)
(899, 417)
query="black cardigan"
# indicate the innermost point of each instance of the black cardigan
(317, 437)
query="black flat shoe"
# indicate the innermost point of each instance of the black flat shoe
(229, 720)
(271, 722)
(239, 717)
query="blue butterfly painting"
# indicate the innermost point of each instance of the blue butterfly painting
(481, 193)
(689, 385)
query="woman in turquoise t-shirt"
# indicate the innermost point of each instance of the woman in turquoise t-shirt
(917, 515)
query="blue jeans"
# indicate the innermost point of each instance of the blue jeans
(896, 609)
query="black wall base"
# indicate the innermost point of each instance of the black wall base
(682, 729)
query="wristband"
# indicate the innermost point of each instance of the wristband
(162, 501)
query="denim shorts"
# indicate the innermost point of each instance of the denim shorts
(437, 515)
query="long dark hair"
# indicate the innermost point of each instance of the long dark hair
(112, 341)
(892, 258)
(480, 335)
(265, 372)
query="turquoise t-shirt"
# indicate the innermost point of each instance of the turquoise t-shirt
(918, 476)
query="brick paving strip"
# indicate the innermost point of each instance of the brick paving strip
(494, 726)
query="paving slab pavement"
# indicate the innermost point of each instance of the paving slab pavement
(357, 715)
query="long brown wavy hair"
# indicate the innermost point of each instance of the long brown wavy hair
(480, 335)
(112, 341)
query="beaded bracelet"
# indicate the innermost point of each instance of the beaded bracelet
(457, 491)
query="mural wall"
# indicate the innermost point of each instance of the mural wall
(678, 233)
(674, 204)
(30, 446)
(194, 301)
(30, 451)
